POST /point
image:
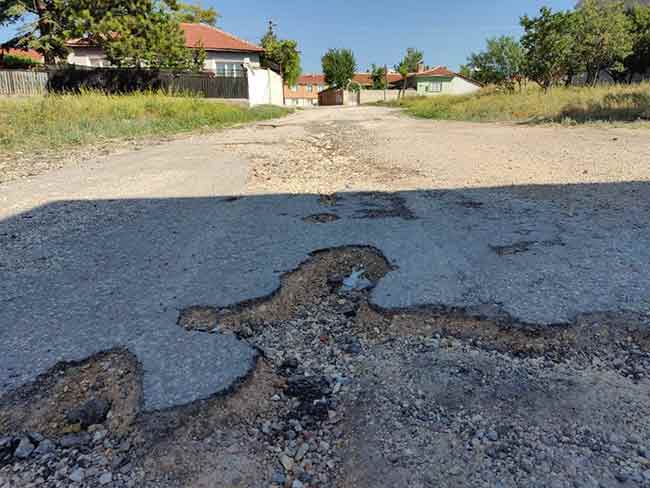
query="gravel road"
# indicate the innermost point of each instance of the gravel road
(506, 230)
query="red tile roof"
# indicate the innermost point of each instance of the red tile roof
(442, 71)
(213, 39)
(437, 71)
(25, 53)
(365, 79)
(312, 79)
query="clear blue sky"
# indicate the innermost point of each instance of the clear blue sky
(378, 31)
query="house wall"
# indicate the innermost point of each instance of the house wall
(264, 87)
(460, 86)
(450, 86)
(302, 96)
(87, 56)
(214, 59)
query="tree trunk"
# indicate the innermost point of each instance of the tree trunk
(44, 28)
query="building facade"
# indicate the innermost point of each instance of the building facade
(305, 92)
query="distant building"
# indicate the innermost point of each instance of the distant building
(305, 92)
(439, 81)
(365, 79)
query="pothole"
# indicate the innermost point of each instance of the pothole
(321, 218)
(318, 277)
(385, 206)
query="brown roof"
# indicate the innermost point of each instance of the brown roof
(442, 71)
(213, 39)
(311, 79)
(437, 71)
(210, 38)
(366, 78)
(25, 53)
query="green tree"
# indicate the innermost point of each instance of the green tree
(378, 75)
(284, 53)
(639, 61)
(339, 66)
(548, 47)
(132, 32)
(153, 41)
(603, 37)
(196, 14)
(502, 62)
(409, 64)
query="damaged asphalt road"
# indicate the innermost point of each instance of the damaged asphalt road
(107, 256)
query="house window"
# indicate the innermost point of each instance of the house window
(231, 70)
(294, 88)
(320, 88)
(310, 88)
(434, 87)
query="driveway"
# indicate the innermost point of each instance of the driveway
(537, 226)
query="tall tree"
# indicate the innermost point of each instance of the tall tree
(409, 64)
(548, 47)
(603, 37)
(501, 63)
(284, 53)
(638, 63)
(339, 66)
(196, 14)
(132, 32)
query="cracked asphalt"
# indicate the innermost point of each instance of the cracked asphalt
(107, 254)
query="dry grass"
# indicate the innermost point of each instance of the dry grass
(59, 121)
(579, 105)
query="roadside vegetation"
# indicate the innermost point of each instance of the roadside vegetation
(59, 121)
(572, 105)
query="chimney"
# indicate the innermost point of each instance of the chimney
(421, 68)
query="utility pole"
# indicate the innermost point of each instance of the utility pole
(385, 82)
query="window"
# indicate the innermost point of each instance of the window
(320, 88)
(232, 70)
(310, 88)
(434, 87)
(294, 88)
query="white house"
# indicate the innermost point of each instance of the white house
(226, 55)
(441, 81)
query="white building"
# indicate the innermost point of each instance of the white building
(226, 55)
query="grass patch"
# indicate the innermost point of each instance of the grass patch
(59, 121)
(576, 105)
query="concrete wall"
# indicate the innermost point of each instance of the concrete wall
(265, 87)
(372, 96)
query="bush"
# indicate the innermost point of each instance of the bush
(12, 61)
(616, 103)
(58, 121)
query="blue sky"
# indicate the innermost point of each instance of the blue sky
(381, 30)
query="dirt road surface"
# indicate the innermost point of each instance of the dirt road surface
(344, 297)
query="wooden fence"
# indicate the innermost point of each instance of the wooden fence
(109, 80)
(208, 87)
(23, 83)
